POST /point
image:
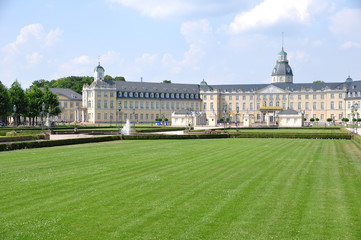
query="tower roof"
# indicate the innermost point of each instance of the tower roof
(349, 79)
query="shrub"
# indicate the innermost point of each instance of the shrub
(221, 120)
(329, 120)
(312, 119)
(345, 120)
(166, 119)
(317, 119)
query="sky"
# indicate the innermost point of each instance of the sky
(185, 41)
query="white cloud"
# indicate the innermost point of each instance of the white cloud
(351, 44)
(35, 36)
(147, 59)
(81, 60)
(176, 8)
(346, 22)
(196, 31)
(53, 37)
(271, 12)
(111, 57)
(34, 58)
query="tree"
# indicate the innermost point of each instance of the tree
(167, 81)
(165, 119)
(318, 81)
(317, 119)
(18, 98)
(312, 119)
(51, 100)
(5, 106)
(108, 78)
(119, 79)
(329, 120)
(35, 99)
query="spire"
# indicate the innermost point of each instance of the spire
(98, 60)
(282, 41)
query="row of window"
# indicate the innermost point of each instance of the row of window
(124, 117)
(65, 104)
(275, 96)
(277, 104)
(158, 95)
(354, 94)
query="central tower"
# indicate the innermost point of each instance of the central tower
(282, 72)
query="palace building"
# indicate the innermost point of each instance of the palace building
(113, 101)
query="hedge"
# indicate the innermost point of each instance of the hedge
(22, 138)
(51, 143)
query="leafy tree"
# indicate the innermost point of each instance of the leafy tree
(108, 78)
(165, 119)
(317, 119)
(318, 81)
(18, 98)
(35, 99)
(312, 120)
(167, 81)
(221, 120)
(119, 79)
(329, 120)
(5, 106)
(51, 100)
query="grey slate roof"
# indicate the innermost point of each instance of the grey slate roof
(288, 112)
(155, 87)
(67, 92)
(351, 86)
(282, 68)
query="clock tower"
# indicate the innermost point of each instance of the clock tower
(282, 72)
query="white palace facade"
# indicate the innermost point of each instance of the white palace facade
(143, 102)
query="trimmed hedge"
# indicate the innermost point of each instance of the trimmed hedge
(52, 143)
(161, 129)
(22, 138)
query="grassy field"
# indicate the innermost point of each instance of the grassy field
(288, 130)
(183, 189)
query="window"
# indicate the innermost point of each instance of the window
(291, 97)
(204, 106)
(322, 117)
(65, 104)
(151, 105)
(105, 94)
(71, 104)
(307, 106)
(332, 95)
(322, 96)
(340, 117)
(136, 104)
(299, 97)
(111, 116)
(237, 97)
(230, 106)
(125, 104)
(141, 105)
(306, 96)
(111, 104)
(314, 105)
(211, 106)
(157, 105)
(177, 105)
(223, 98)
(99, 116)
(230, 97)
(340, 105)
(172, 105)
(322, 105)
(211, 97)
(99, 95)
(340, 95)
(244, 106)
(271, 103)
(277, 104)
(205, 97)
(105, 103)
(251, 106)
(146, 105)
(89, 103)
(332, 105)
(111, 94)
(284, 105)
(243, 97)
(131, 104)
(167, 105)
(258, 105)
(251, 97)
(314, 96)
(299, 106)
(162, 105)
(99, 104)
(291, 105)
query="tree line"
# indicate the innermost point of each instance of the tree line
(26, 104)
(73, 82)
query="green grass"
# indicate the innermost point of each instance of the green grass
(183, 189)
(288, 130)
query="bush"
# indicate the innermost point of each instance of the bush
(329, 120)
(345, 120)
(51, 143)
(22, 138)
(317, 119)
(221, 120)
(165, 119)
(312, 120)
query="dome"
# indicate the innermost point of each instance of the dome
(349, 79)
(98, 68)
(203, 83)
(282, 68)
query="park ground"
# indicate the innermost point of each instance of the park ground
(183, 189)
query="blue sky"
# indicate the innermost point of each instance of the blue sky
(224, 42)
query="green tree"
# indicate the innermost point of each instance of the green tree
(18, 98)
(35, 99)
(108, 78)
(119, 79)
(167, 81)
(318, 81)
(5, 106)
(51, 100)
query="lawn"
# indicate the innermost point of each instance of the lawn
(289, 130)
(183, 189)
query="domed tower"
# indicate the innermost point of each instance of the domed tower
(99, 73)
(349, 79)
(282, 72)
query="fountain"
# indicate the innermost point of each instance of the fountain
(126, 129)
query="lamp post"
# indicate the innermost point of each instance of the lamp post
(14, 116)
(49, 113)
(120, 120)
(354, 112)
(134, 118)
(237, 109)
(42, 116)
(225, 115)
